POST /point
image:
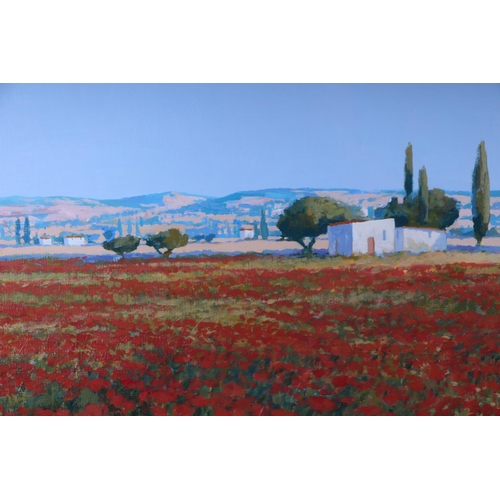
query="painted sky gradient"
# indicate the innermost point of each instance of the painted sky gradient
(112, 141)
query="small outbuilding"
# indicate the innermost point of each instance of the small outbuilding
(246, 232)
(75, 241)
(419, 239)
(45, 240)
(372, 237)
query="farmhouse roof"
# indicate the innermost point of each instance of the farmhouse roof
(347, 222)
(422, 228)
(246, 229)
(73, 236)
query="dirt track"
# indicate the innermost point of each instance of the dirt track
(214, 247)
(219, 246)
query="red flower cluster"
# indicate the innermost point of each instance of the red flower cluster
(248, 336)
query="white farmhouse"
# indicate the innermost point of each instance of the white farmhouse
(373, 237)
(45, 240)
(419, 239)
(246, 232)
(74, 241)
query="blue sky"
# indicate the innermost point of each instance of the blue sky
(111, 141)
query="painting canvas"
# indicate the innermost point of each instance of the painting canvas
(249, 250)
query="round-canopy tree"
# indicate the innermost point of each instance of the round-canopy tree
(168, 240)
(309, 218)
(122, 245)
(441, 211)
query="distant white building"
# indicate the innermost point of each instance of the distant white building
(45, 240)
(373, 237)
(246, 232)
(75, 241)
(419, 239)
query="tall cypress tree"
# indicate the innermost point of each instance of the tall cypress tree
(264, 231)
(18, 232)
(137, 230)
(27, 231)
(256, 232)
(480, 194)
(119, 228)
(409, 170)
(129, 227)
(423, 197)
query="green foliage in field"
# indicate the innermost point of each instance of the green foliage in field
(167, 241)
(122, 245)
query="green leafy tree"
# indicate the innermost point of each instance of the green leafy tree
(409, 170)
(394, 210)
(443, 210)
(167, 241)
(18, 232)
(308, 218)
(480, 194)
(27, 232)
(442, 213)
(423, 197)
(122, 245)
(264, 231)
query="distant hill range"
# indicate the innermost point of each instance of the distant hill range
(193, 213)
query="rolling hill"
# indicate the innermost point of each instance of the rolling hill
(194, 214)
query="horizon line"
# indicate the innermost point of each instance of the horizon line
(360, 191)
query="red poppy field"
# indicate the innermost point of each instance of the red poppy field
(249, 336)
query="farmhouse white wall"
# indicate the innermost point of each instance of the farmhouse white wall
(74, 241)
(45, 241)
(246, 233)
(382, 231)
(352, 238)
(340, 240)
(417, 240)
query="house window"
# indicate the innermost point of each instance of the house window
(383, 234)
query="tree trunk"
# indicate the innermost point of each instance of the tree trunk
(307, 250)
